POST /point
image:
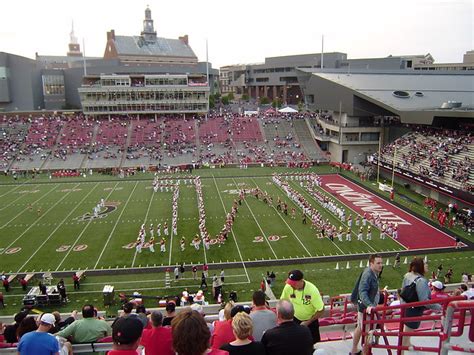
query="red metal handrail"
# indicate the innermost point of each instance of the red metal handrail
(462, 307)
(374, 326)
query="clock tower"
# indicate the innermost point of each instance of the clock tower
(74, 47)
(148, 33)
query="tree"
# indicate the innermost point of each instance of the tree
(276, 103)
(264, 100)
(245, 97)
(212, 101)
(225, 100)
(230, 96)
(300, 106)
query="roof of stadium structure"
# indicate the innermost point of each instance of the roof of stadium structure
(136, 45)
(407, 92)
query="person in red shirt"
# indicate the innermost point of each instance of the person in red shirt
(437, 292)
(392, 195)
(191, 334)
(158, 340)
(432, 213)
(223, 332)
(126, 334)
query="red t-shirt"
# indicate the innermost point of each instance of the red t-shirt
(439, 295)
(158, 341)
(222, 334)
(123, 352)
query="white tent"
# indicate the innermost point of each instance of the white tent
(287, 110)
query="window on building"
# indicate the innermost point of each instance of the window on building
(53, 84)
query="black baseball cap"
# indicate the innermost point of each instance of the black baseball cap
(293, 277)
(127, 330)
(239, 308)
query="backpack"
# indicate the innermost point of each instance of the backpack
(355, 291)
(409, 294)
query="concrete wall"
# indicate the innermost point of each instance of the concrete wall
(24, 84)
(355, 153)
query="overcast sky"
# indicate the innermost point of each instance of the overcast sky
(247, 31)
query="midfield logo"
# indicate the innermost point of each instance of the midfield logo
(108, 208)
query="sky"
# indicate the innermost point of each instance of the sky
(247, 31)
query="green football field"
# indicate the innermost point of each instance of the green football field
(48, 226)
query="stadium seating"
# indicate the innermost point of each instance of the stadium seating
(442, 155)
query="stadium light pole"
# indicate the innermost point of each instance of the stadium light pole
(393, 163)
(207, 77)
(84, 56)
(378, 158)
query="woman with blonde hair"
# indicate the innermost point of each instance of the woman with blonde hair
(242, 328)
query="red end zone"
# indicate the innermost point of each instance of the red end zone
(413, 232)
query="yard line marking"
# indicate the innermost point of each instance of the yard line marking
(10, 191)
(46, 194)
(55, 229)
(292, 231)
(144, 221)
(11, 203)
(44, 214)
(82, 232)
(231, 229)
(115, 225)
(258, 224)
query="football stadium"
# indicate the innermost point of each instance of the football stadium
(147, 183)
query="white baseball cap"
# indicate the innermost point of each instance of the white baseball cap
(438, 285)
(48, 318)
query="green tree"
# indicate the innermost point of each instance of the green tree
(276, 103)
(245, 97)
(300, 106)
(225, 100)
(264, 100)
(212, 101)
(231, 96)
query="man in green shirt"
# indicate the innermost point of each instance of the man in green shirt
(306, 301)
(86, 330)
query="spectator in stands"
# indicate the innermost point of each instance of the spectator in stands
(224, 313)
(191, 335)
(88, 329)
(437, 290)
(223, 332)
(415, 274)
(242, 328)
(27, 325)
(465, 291)
(158, 340)
(306, 300)
(10, 330)
(288, 337)
(127, 332)
(61, 324)
(40, 341)
(366, 295)
(262, 317)
(2, 329)
(170, 313)
(142, 315)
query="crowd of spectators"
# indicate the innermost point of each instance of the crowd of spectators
(220, 138)
(443, 155)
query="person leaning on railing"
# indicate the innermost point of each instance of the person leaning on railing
(415, 274)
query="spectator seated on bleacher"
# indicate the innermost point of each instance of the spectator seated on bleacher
(126, 335)
(157, 340)
(88, 329)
